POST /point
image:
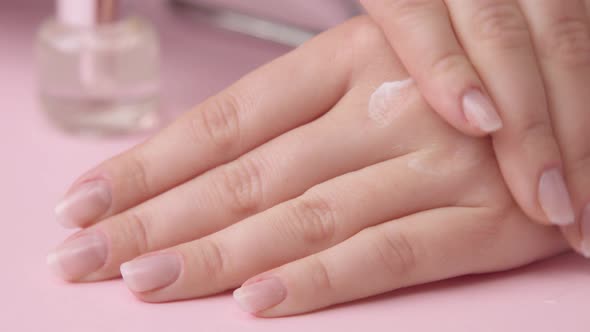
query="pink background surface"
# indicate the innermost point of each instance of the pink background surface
(38, 162)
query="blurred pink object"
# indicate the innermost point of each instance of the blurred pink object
(286, 22)
(311, 14)
(39, 162)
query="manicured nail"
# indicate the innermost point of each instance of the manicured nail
(586, 232)
(83, 205)
(261, 295)
(79, 256)
(555, 199)
(151, 272)
(480, 111)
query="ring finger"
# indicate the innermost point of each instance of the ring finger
(409, 251)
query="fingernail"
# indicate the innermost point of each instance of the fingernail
(480, 111)
(78, 256)
(83, 205)
(261, 295)
(555, 199)
(586, 232)
(151, 272)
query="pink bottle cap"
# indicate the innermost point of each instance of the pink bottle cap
(86, 12)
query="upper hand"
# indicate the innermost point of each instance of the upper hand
(519, 69)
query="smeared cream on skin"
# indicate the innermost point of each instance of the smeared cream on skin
(442, 159)
(389, 100)
(438, 161)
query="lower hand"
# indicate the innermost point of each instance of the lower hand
(304, 183)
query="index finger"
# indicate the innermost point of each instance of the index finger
(289, 92)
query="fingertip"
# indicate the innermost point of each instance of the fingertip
(555, 199)
(84, 204)
(240, 300)
(462, 105)
(63, 218)
(259, 297)
(480, 112)
(151, 272)
(78, 256)
(53, 264)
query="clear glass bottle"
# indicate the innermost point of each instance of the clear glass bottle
(98, 74)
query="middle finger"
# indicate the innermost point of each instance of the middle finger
(561, 31)
(496, 36)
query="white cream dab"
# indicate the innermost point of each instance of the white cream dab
(389, 100)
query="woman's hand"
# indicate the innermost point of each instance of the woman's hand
(523, 63)
(310, 181)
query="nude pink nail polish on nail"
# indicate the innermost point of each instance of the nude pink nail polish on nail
(151, 272)
(83, 205)
(79, 256)
(480, 111)
(554, 198)
(585, 247)
(261, 295)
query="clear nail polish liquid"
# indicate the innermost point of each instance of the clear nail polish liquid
(98, 74)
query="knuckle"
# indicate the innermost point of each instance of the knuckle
(319, 275)
(362, 45)
(488, 232)
(396, 253)
(501, 23)
(219, 121)
(449, 63)
(136, 228)
(567, 41)
(212, 258)
(404, 15)
(409, 8)
(485, 236)
(537, 134)
(578, 164)
(242, 184)
(312, 220)
(365, 35)
(138, 174)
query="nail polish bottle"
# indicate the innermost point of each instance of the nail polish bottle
(98, 73)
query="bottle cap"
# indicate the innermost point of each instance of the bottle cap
(86, 12)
